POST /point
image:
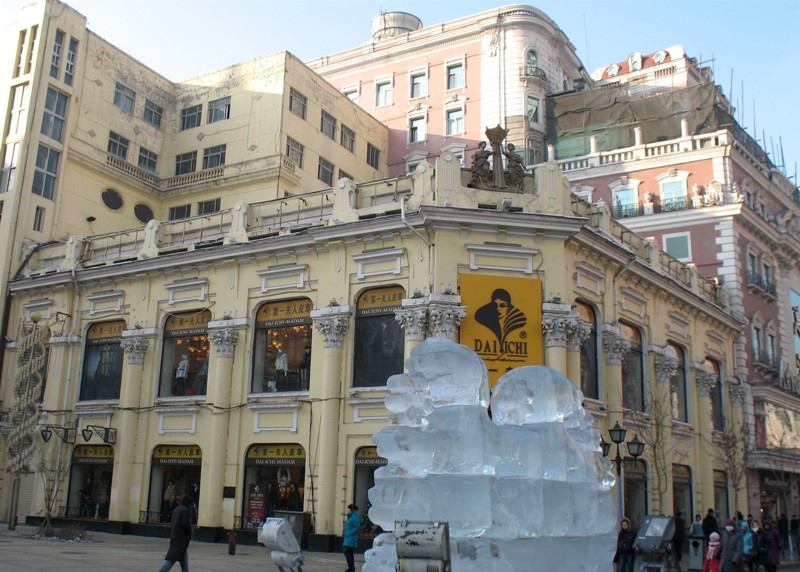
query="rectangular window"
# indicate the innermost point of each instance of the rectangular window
(419, 85)
(32, 48)
(9, 173)
(46, 171)
(373, 156)
(55, 110)
(147, 160)
(348, 138)
(214, 157)
(72, 57)
(757, 344)
(325, 171)
(153, 113)
(55, 60)
(416, 129)
(328, 125)
(282, 360)
(38, 219)
(533, 154)
(383, 93)
(124, 98)
(455, 76)
(182, 211)
(102, 362)
(190, 117)
(208, 207)
(219, 109)
(767, 276)
(185, 163)
(455, 121)
(294, 151)
(624, 203)
(297, 103)
(345, 175)
(19, 109)
(351, 93)
(679, 246)
(533, 109)
(23, 34)
(118, 145)
(772, 347)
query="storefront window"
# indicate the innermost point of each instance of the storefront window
(633, 395)
(378, 338)
(102, 362)
(175, 471)
(367, 462)
(635, 476)
(275, 478)
(589, 369)
(682, 491)
(282, 356)
(184, 363)
(90, 481)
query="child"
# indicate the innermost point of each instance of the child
(711, 561)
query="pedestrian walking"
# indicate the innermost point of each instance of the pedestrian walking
(679, 536)
(180, 536)
(626, 555)
(711, 558)
(351, 536)
(710, 524)
(749, 546)
(732, 552)
(769, 547)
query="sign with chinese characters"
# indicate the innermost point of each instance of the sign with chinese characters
(105, 332)
(284, 454)
(503, 324)
(368, 457)
(177, 455)
(380, 301)
(93, 455)
(187, 324)
(284, 313)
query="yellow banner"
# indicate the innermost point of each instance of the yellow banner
(284, 451)
(381, 298)
(105, 330)
(177, 452)
(285, 310)
(503, 324)
(94, 452)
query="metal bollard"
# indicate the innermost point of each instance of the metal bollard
(231, 543)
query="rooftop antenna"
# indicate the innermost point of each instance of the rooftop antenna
(741, 113)
(730, 94)
(755, 128)
(783, 159)
(586, 42)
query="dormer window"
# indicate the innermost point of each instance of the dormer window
(613, 70)
(635, 61)
(660, 56)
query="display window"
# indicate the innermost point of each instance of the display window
(283, 344)
(102, 362)
(184, 361)
(89, 488)
(275, 477)
(366, 462)
(379, 341)
(175, 471)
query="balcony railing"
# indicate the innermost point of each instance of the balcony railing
(766, 360)
(761, 283)
(533, 72)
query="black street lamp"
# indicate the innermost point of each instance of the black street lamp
(66, 434)
(635, 449)
(107, 434)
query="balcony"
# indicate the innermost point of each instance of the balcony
(660, 206)
(758, 283)
(533, 72)
(766, 361)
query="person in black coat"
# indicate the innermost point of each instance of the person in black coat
(626, 554)
(182, 517)
(679, 536)
(710, 524)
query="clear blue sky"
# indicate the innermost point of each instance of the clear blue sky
(756, 42)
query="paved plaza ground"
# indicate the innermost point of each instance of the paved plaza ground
(20, 552)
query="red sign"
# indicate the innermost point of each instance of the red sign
(255, 506)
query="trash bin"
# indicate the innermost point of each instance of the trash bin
(696, 550)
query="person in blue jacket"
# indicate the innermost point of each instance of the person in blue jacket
(351, 536)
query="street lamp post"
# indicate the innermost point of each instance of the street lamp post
(12, 520)
(635, 448)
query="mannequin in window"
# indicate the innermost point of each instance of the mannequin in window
(305, 367)
(281, 367)
(202, 377)
(180, 376)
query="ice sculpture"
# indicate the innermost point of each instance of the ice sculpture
(526, 489)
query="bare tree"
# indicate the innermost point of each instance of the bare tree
(53, 470)
(734, 452)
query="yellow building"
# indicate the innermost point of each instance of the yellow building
(251, 371)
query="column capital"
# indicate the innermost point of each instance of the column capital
(706, 382)
(578, 335)
(135, 347)
(614, 344)
(558, 321)
(413, 318)
(445, 318)
(738, 394)
(665, 366)
(332, 323)
(225, 339)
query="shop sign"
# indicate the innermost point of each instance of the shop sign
(503, 324)
(380, 301)
(285, 455)
(177, 455)
(720, 478)
(368, 457)
(284, 313)
(681, 474)
(93, 455)
(105, 332)
(255, 506)
(187, 324)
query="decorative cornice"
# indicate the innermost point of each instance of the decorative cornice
(225, 340)
(135, 347)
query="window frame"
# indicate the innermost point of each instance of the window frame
(378, 348)
(110, 356)
(590, 367)
(72, 57)
(528, 100)
(54, 115)
(55, 59)
(197, 350)
(46, 174)
(118, 146)
(675, 235)
(422, 85)
(327, 124)
(384, 96)
(348, 138)
(190, 117)
(324, 167)
(209, 206)
(353, 93)
(179, 212)
(634, 369)
(185, 163)
(679, 385)
(124, 98)
(150, 160)
(153, 113)
(38, 218)
(458, 121)
(214, 157)
(294, 147)
(417, 132)
(455, 75)
(218, 110)
(373, 156)
(298, 103)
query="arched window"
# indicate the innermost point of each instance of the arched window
(717, 411)
(682, 490)
(635, 490)
(589, 366)
(102, 362)
(379, 342)
(184, 361)
(282, 354)
(633, 396)
(531, 62)
(680, 411)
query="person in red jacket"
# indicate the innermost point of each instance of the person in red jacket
(711, 559)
